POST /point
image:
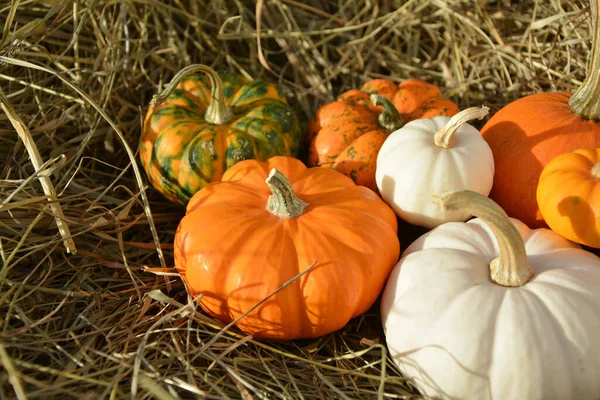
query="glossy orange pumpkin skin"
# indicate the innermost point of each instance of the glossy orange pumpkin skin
(524, 136)
(345, 135)
(568, 196)
(233, 252)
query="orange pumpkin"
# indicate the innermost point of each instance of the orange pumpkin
(568, 195)
(529, 132)
(346, 134)
(265, 222)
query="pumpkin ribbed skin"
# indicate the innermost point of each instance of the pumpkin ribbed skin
(346, 135)
(524, 136)
(458, 335)
(234, 252)
(529, 132)
(568, 196)
(182, 152)
(415, 167)
(416, 99)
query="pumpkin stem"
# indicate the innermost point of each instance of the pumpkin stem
(389, 119)
(596, 171)
(445, 136)
(283, 202)
(585, 102)
(217, 112)
(511, 267)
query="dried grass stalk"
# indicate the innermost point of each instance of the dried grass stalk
(95, 324)
(36, 161)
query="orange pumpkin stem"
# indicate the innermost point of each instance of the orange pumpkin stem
(445, 136)
(585, 102)
(283, 202)
(510, 268)
(217, 112)
(390, 119)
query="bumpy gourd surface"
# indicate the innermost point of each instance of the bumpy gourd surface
(345, 135)
(182, 153)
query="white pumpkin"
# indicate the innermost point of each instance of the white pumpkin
(430, 156)
(490, 309)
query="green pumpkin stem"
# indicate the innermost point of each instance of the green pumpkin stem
(585, 102)
(511, 267)
(445, 136)
(390, 119)
(283, 202)
(217, 112)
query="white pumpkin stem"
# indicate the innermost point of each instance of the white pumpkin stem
(585, 102)
(217, 112)
(511, 267)
(445, 136)
(596, 171)
(390, 119)
(283, 202)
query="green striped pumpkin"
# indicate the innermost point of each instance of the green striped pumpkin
(206, 122)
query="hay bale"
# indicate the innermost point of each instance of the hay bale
(75, 80)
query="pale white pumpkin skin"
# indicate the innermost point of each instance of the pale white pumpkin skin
(461, 336)
(412, 172)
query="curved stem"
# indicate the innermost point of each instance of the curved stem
(445, 136)
(585, 102)
(596, 171)
(283, 202)
(390, 118)
(511, 267)
(217, 112)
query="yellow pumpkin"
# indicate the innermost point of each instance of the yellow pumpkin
(568, 195)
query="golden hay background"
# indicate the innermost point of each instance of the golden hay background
(75, 75)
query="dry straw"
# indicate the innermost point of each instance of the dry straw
(80, 316)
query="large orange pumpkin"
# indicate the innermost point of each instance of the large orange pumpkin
(346, 134)
(529, 132)
(568, 195)
(265, 222)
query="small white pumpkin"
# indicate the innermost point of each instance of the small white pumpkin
(489, 309)
(430, 156)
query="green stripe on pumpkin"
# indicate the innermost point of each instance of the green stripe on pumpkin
(240, 147)
(191, 153)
